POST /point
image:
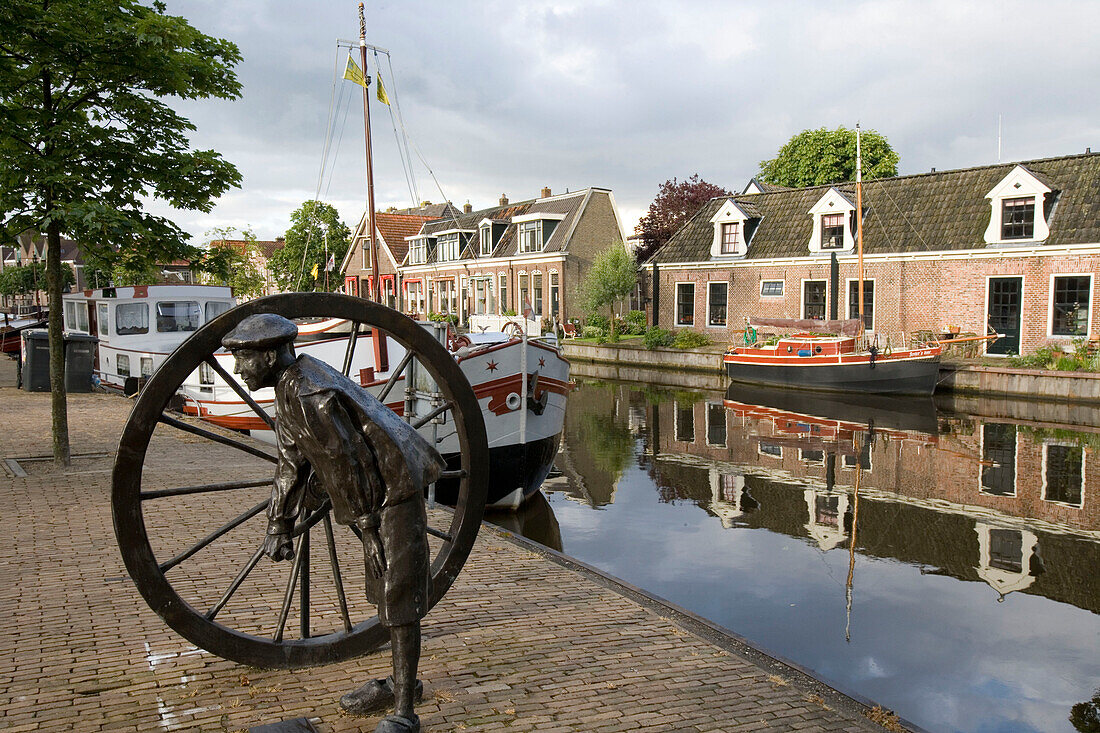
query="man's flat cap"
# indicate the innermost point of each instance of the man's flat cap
(261, 331)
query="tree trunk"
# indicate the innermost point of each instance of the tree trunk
(59, 408)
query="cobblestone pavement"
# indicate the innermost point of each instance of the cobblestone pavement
(520, 643)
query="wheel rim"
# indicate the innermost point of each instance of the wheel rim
(277, 652)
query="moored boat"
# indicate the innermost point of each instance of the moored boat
(824, 355)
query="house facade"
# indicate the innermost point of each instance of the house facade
(493, 261)
(392, 231)
(1014, 247)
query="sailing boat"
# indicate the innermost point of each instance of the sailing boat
(835, 355)
(521, 383)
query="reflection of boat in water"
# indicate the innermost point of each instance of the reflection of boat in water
(534, 520)
(836, 417)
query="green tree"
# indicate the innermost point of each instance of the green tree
(243, 275)
(611, 278)
(819, 157)
(314, 227)
(23, 279)
(86, 139)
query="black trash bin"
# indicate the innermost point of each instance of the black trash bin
(35, 357)
(79, 361)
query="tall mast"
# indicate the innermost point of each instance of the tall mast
(859, 225)
(368, 221)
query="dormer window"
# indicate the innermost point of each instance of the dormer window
(419, 248)
(530, 236)
(1018, 218)
(832, 231)
(448, 247)
(1017, 209)
(731, 237)
(733, 226)
(831, 216)
(485, 238)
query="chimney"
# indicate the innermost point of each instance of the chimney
(280, 239)
(546, 192)
(1088, 150)
(466, 207)
(503, 200)
(933, 169)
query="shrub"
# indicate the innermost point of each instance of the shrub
(688, 339)
(635, 323)
(1067, 363)
(595, 319)
(656, 338)
(1042, 358)
(593, 332)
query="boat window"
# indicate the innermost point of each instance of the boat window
(215, 308)
(177, 315)
(123, 363)
(131, 318)
(101, 317)
(146, 366)
(76, 316)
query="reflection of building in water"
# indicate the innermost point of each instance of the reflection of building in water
(830, 517)
(1008, 559)
(1000, 502)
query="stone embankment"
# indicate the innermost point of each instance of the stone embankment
(675, 368)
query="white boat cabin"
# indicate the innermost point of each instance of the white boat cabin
(139, 326)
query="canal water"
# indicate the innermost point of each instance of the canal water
(942, 560)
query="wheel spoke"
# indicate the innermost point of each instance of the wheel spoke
(209, 435)
(241, 391)
(395, 375)
(303, 589)
(288, 596)
(460, 473)
(205, 488)
(424, 420)
(337, 578)
(445, 536)
(252, 562)
(352, 342)
(222, 530)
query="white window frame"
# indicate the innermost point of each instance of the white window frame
(485, 234)
(802, 294)
(448, 247)
(1050, 305)
(718, 282)
(1084, 482)
(676, 422)
(982, 488)
(847, 288)
(812, 461)
(854, 465)
(676, 305)
(103, 319)
(782, 288)
(523, 230)
(728, 213)
(985, 307)
(833, 202)
(725, 425)
(760, 452)
(1019, 183)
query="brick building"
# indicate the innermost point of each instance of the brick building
(392, 232)
(492, 261)
(1014, 246)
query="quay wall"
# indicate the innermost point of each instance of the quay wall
(675, 368)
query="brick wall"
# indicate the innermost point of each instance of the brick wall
(909, 295)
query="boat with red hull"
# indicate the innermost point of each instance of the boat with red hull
(834, 362)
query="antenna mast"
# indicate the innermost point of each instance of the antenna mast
(859, 223)
(368, 220)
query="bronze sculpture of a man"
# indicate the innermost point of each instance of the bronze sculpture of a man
(373, 466)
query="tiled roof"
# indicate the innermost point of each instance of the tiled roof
(944, 210)
(395, 227)
(432, 211)
(567, 205)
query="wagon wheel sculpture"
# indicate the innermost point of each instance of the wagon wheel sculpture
(157, 571)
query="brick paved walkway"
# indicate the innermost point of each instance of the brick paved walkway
(520, 643)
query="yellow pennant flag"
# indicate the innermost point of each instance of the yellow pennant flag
(380, 93)
(314, 270)
(353, 73)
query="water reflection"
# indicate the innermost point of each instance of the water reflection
(957, 585)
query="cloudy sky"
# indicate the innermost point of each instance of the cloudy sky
(506, 97)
